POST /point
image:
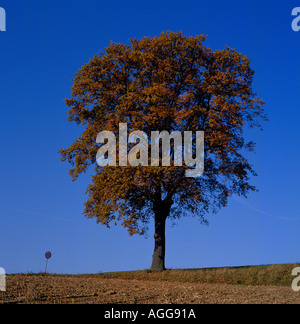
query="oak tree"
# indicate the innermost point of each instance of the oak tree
(171, 82)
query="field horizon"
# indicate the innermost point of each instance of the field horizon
(260, 284)
(263, 274)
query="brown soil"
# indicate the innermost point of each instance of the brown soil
(40, 289)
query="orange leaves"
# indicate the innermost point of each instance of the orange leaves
(170, 82)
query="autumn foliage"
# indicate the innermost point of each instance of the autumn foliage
(174, 83)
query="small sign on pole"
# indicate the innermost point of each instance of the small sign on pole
(48, 255)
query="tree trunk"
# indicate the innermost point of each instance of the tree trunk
(158, 261)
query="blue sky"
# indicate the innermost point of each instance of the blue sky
(46, 42)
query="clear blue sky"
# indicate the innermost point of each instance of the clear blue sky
(46, 42)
